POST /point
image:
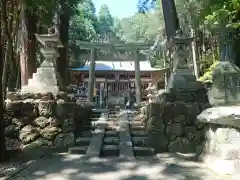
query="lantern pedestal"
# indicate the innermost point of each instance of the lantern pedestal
(44, 80)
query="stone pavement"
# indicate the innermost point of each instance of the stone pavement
(74, 167)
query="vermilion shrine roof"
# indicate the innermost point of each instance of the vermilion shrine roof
(117, 66)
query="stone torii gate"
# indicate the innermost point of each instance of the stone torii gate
(114, 48)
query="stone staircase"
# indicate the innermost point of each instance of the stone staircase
(139, 137)
(111, 141)
(115, 134)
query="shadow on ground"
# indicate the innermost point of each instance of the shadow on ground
(63, 166)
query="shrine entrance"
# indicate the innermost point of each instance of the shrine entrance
(112, 73)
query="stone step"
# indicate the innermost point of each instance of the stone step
(139, 133)
(136, 123)
(113, 119)
(112, 116)
(86, 134)
(140, 141)
(45, 70)
(83, 141)
(41, 77)
(111, 133)
(39, 88)
(111, 128)
(94, 118)
(44, 81)
(110, 150)
(78, 150)
(137, 127)
(143, 151)
(111, 141)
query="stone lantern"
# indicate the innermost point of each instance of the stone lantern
(182, 76)
(45, 80)
(182, 84)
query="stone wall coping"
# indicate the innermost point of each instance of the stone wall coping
(223, 115)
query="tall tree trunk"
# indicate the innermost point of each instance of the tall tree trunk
(62, 60)
(23, 52)
(32, 43)
(28, 60)
(8, 33)
(170, 17)
(236, 44)
(3, 151)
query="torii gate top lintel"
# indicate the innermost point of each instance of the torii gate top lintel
(116, 46)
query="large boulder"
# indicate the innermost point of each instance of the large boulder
(47, 108)
(23, 121)
(54, 121)
(14, 108)
(64, 140)
(182, 145)
(28, 134)
(68, 124)
(7, 120)
(28, 109)
(11, 131)
(65, 109)
(174, 130)
(12, 144)
(41, 122)
(50, 132)
(36, 149)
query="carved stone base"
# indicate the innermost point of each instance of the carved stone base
(184, 79)
(44, 80)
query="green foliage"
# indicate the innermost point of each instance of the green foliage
(105, 21)
(83, 23)
(140, 27)
(207, 76)
(223, 14)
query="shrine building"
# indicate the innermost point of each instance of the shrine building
(119, 75)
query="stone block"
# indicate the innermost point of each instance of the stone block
(155, 109)
(47, 108)
(221, 166)
(224, 115)
(155, 125)
(182, 145)
(14, 108)
(174, 130)
(28, 109)
(158, 141)
(228, 151)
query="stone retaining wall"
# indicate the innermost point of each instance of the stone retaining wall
(41, 121)
(172, 126)
(221, 151)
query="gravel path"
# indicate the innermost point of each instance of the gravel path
(73, 167)
(7, 168)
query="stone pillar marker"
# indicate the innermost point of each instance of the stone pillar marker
(45, 80)
(91, 78)
(225, 88)
(137, 77)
